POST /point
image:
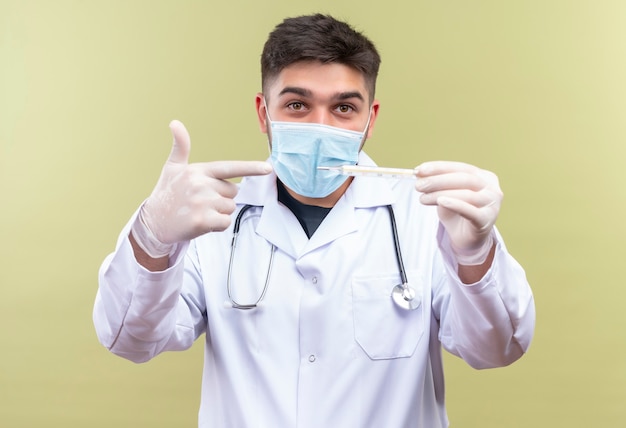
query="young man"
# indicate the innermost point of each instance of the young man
(324, 299)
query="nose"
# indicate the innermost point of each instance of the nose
(322, 117)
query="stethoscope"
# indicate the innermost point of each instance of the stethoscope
(402, 294)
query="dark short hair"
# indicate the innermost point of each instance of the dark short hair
(319, 38)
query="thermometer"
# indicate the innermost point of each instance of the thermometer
(370, 171)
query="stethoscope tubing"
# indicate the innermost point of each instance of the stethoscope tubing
(233, 244)
(396, 243)
(402, 294)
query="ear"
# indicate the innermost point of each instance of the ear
(261, 112)
(374, 115)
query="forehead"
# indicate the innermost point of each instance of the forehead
(318, 79)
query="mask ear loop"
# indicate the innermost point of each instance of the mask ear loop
(268, 125)
(267, 110)
(365, 131)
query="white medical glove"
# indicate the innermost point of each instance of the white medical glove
(468, 201)
(189, 199)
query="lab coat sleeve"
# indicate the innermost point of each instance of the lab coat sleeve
(139, 314)
(490, 323)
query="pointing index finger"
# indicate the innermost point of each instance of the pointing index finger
(233, 169)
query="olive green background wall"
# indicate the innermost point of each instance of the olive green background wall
(533, 90)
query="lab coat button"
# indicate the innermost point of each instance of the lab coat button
(311, 358)
(314, 280)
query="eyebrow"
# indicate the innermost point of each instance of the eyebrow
(350, 94)
(307, 93)
(297, 91)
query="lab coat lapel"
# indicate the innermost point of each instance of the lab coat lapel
(277, 224)
(340, 221)
(280, 227)
(363, 192)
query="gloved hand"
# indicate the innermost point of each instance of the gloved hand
(468, 201)
(189, 199)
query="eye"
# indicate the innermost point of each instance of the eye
(296, 106)
(345, 108)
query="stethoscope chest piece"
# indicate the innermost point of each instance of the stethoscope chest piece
(404, 297)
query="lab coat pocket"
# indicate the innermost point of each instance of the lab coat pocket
(381, 328)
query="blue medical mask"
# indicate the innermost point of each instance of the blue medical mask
(297, 149)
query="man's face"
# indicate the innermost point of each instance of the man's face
(331, 94)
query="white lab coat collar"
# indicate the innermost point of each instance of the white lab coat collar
(364, 192)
